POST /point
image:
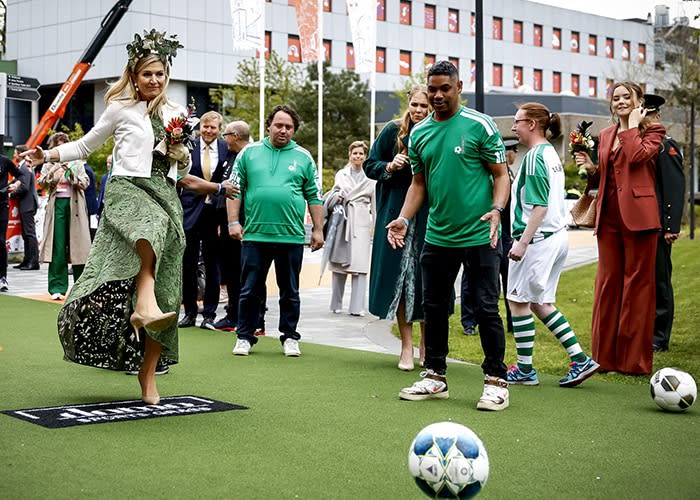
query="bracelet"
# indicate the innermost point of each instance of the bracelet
(221, 189)
(498, 208)
(233, 223)
(404, 219)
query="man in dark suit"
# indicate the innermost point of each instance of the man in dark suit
(6, 167)
(199, 212)
(91, 200)
(24, 191)
(670, 191)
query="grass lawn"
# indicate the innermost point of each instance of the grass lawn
(327, 425)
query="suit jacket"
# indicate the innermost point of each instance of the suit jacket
(192, 204)
(670, 186)
(635, 175)
(6, 167)
(25, 193)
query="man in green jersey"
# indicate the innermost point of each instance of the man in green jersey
(459, 169)
(277, 180)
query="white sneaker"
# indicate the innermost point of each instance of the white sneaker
(3, 284)
(495, 395)
(431, 386)
(291, 348)
(57, 296)
(242, 348)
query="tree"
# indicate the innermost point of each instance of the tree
(345, 114)
(241, 101)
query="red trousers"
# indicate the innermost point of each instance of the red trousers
(625, 297)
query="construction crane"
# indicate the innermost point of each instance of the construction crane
(60, 102)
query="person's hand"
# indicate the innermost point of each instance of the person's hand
(636, 116)
(317, 240)
(671, 237)
(235, 231)
(400, 161)
(178, 152)
(396, 232)
(517, 251)
(583, 160)
(33, 157)
(231, 190)
(12, 187)
(494, 218)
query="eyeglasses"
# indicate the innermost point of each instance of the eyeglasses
(228, 133)
(522, 120)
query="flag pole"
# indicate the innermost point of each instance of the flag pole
(261, 64)
(319, 63)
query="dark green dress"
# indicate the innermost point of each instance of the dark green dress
(93, 324)
(394, 273)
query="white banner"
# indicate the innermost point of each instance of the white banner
(248, 24)
(363, 26)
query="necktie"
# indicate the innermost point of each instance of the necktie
(206, 163)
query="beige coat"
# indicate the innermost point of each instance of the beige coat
(79, 237)
(358, 199)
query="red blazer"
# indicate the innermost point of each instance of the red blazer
(635, 175)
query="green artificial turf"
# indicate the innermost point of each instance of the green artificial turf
(326, 425)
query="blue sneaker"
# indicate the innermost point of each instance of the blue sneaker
(578, 372)
(516, 376)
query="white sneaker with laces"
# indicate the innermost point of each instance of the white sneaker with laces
(432, 386)
(291, 348)
(242, 348)
(495, 395)
(3, 284)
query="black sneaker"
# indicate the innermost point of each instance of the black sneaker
(187, 321)
(470, 330)
(208, 323)
(225, 324)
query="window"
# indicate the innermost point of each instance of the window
(517, 76)
(574, 41)
(608, 88)
(625, 50)
(453, 21)
(556, 82)
(327, 6)
(642, 54)
(429, 60)
(498, 28)
(472, 25)
(592, 86)
(609, 48)
(381, 60)
(268, 43)
(405, 12)
(517, 32)
(293, 48)
(405, 62)
(537, 35)
(575, 84)
(472, 71)
(349, 56)
(454, 61)
(592, 45)
(381, 10)
(556, 38)
(429, 17)
(327, 50)
(497, 76)
(537, 79)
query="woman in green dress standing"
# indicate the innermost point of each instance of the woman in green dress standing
(123, 308)
(395, 286)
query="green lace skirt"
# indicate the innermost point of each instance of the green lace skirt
(93, 324)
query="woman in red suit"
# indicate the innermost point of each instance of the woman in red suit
(627, 223)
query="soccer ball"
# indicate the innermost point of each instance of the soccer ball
(673, 389)
(447, 460)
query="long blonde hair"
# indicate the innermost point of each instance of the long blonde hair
(404, 122)
(124, 89)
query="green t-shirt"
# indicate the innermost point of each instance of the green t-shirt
(276, 184)
(453, 156)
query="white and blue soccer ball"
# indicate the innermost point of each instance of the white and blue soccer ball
(448, 460)
(673, 389)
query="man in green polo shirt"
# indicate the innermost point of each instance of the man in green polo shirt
(459, 169)
(277, 180)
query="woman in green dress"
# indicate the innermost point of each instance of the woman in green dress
(395, 286)
(122, 310)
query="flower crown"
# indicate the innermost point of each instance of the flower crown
(154, 42)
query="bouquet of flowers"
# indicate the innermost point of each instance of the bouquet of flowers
(580, 140)
(180, 130)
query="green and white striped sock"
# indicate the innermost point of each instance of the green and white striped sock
(524, 334)
(557, 324)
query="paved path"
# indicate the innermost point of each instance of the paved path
(318, 324)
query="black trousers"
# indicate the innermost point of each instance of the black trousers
(4, 215)
(31, 246)
(201, 238)
(664, 294)
(439, 269)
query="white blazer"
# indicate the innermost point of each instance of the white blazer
(133, 139)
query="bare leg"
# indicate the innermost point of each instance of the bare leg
(147, 373)
(421, 348)
(406, 331)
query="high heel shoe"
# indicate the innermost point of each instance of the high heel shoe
(156, 323)
(407, 367)
(149, 400)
